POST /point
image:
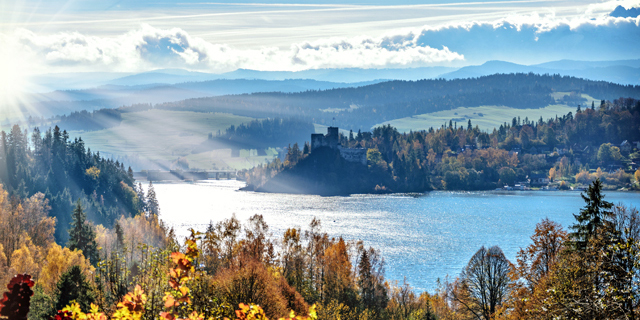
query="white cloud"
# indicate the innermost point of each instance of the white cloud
(537, 36)
(149, 47)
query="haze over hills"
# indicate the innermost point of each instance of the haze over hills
(622, 72)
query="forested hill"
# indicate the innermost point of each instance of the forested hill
(572, 149)
(65, 171)
(362, 107)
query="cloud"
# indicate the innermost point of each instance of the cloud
(534, 39)
(149, 48)
(621, 12)
(531, 38)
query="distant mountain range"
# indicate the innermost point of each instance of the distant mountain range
(65, 93)
(621, 72)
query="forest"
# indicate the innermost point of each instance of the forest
(63, 171)
(243, 271)
(261, 134)
(574, 149)
(362, 107)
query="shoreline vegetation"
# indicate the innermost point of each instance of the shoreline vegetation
(568, 152)
(235, 270)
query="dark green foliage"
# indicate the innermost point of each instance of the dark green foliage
(64, 170)
(15, 303)
(260, 134)
(592, 217)
(43, 306)
(82, 236)
(74, 286)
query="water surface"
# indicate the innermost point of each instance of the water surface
(422, 237)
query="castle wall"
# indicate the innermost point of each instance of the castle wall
(354, 155)
(331, 140)
(317, 141)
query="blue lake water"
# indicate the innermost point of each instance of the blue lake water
(422, 237)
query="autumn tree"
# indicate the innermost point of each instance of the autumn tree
(534, 263)
(484, 282)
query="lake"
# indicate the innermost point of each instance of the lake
(423, 237)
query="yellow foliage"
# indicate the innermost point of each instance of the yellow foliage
(552, 173)
(583, 177)
(93, 173)
(599, 174)
(25, 260)
(58, 260)
(637, 175)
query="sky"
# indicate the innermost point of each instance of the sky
(38, 37)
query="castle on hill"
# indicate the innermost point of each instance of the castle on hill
(332, 140)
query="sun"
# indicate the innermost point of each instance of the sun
(14, 79)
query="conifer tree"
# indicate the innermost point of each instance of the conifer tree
(82, 236)
(592, 217)
(152, 202)
(74, 286)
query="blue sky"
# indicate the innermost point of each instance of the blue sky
(133, 36)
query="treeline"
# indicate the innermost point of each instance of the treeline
(90, 121)
(64, 171)
(396, 99)
(261, 134)
(590, 272)
(462, 157)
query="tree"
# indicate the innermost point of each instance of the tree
(637, 176)
(486, 280)
(607, 153)
(74, 286)
(592, 217)
(152, 202)
(507, 175)
(82, 236)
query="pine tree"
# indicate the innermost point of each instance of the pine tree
(74, 286)
(592, 217)
(82, 236)
(152, 202)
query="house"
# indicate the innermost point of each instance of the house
(625, 147)
(538, 180)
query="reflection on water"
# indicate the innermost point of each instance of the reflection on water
(421, 237)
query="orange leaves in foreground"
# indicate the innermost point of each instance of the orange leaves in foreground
(254, 312)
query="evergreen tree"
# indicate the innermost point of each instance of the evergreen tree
(152, 202)
(592, 217)
(74, 286)
(82, 236)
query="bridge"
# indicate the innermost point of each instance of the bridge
(185, 175)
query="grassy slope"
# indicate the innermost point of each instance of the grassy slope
(160, 135)
(492, 116)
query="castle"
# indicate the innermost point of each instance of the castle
(332, 140)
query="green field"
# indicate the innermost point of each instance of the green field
(485, 117)
(162, 136)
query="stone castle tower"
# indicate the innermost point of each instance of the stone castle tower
(332, 140)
